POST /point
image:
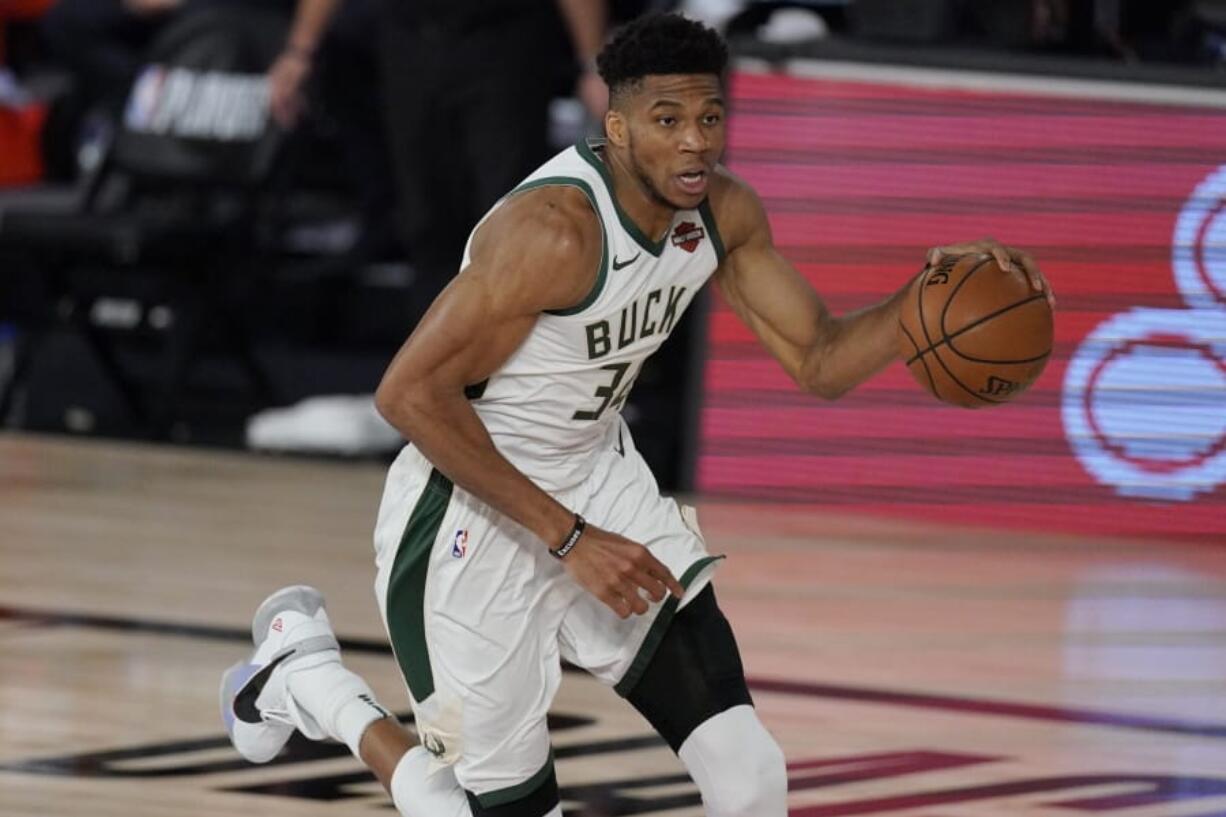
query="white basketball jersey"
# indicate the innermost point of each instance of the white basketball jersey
(558, 399)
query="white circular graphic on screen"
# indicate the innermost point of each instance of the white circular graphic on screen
(1144, 403)
(1198, 249)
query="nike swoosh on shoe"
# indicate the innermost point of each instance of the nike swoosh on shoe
(244, 702)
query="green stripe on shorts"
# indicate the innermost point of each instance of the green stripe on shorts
(658, 627)
(406, 589)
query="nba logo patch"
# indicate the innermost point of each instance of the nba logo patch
(687, 235)
(459, 547)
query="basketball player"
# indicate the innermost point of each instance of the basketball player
(521, 526)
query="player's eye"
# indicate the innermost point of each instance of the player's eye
(712, 119)
(667, 121)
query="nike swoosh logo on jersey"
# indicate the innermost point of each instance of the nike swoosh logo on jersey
(244, 702)
(623, 264)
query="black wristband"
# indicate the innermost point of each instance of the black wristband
(571, 540)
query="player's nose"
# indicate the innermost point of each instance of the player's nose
(693, 139)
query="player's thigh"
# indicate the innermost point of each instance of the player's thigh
(625, 500)
(472, 604)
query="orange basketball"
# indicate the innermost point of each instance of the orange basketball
(972, 334)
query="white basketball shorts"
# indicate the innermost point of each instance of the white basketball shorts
(479, 613)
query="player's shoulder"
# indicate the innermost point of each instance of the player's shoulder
(736, 206)
(547, 240)
(557, 221)
(554, 212)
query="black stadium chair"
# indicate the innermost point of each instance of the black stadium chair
(171, 232)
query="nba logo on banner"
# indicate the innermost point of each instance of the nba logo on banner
(1144, 403)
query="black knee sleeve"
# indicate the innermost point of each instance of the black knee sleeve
(696, 672)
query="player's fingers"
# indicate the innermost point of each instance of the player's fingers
(1003, 260)
(1026, 266)
(629, 600)
(656, 568)
(1037, 281)
(647, 563)
(982, 246)
(651, 583)
(617, 603)
(665, 575)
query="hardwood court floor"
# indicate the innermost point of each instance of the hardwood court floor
(905, 670)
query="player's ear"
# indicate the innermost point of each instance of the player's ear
(616, 128)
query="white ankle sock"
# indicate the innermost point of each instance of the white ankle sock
(417, 793)
(338, 700)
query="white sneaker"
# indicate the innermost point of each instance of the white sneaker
(256, 707)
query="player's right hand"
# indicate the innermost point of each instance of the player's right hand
(617, 571)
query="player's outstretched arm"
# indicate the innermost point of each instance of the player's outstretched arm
(824, 354)
(539, 251)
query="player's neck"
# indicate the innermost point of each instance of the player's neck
(652, 216)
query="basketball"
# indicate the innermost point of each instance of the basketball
(972, 334)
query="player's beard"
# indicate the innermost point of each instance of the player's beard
(636, 167)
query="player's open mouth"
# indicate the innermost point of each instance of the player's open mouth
(694, 183)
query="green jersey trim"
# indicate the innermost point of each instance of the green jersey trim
(589, 155)
(708, 218)
(603, 273)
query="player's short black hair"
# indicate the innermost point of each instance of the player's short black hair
(660, 44)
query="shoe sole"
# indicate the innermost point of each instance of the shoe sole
(300, 597)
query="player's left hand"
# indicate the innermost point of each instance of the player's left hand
(1009, 259)
(615, 569)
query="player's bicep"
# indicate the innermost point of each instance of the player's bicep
(775, 301)
(469, 331)
(533, 255)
